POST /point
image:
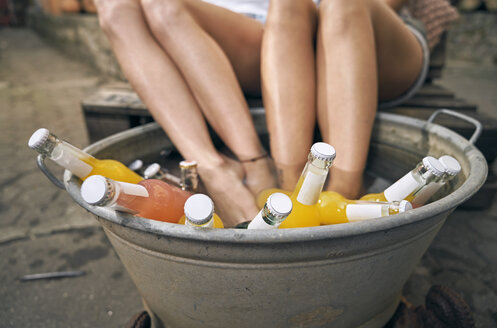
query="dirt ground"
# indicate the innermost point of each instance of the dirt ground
(43, 230)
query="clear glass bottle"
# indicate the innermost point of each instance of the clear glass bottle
(80, 163)
(428, 170)
(306, 194)
(276, 209)
(151, 198)
(137, 166)
(364, 210)
(189, 176)
(155, 171)
(452, 168)
(199, 212)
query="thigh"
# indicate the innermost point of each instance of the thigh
(399, 52)
(239, 36)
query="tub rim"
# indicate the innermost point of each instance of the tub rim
(477, 175)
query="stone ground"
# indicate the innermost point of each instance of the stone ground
(43, 230)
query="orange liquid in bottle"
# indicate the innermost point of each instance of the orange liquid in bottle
(218, 223)
(378, 197)
(302, 215)
(263, 195)
(332, 208)
(164, 203)
(111, 169)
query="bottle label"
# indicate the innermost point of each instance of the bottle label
(133, 189)
(311, 187)
(259, 223)
(68, 160)
(359, 212)
(402, 188)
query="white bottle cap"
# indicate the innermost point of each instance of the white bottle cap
(323, 151)
(433, 165)
(96, 190)
(199, 209)
(404, 205)
(136, 165)
(151, 170)
(38, 138)
(279, 205)
(452, 166)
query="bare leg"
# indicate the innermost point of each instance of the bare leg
(288, 85)
(364, 50)
(189, 31)
(160, 85)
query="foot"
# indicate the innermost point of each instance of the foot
(233, 201)
(259, 175)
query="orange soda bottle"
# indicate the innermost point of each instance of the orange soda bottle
(80, 163)
(426, 171)
(151, 199)
(332, 206)
(305, 197)
(199, 212)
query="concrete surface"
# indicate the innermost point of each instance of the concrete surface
(42, 230)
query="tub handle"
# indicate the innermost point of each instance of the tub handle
(476, 123)
(40, 161)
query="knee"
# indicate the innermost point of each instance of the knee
(283, 12)
(340, 14)
(163, 16)
(110, 14)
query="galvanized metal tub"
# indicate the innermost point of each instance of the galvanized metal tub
(348, 275)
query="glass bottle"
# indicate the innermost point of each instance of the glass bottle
(452, 168)
(276, 209)
(155, 171)
(80, 163)
(332, 206)
(189, 176)
(364, 210)
(427, 170)
(151, 199)
(306, 194)
(199, 212)
(136, 166)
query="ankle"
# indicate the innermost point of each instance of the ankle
(348, 183)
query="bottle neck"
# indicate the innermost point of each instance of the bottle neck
(189, 178)
(120, 194)
(266, 220)
(311, 181)
(409, 183)
(208, 224)
(364, 210)
(71, 158)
